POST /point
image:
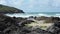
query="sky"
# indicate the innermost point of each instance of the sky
(34, 5)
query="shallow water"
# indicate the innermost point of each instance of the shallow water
(27, 14)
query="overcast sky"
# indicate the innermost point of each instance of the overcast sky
(34, 5)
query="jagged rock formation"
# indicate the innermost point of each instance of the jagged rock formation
(34, 31)
(13, 25)
(10, 25)
(55, 29)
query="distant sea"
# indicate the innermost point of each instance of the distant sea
(27, 14)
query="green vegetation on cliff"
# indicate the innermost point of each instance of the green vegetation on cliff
(7, 9)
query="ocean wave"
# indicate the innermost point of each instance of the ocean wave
(27, 15)
(44, 15)
(57, 14)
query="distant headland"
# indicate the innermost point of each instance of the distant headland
(6, 9)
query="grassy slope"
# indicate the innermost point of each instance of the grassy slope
(8, 9)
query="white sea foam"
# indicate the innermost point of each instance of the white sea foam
(47, 15)
(44, 15)
(57, 14)
(27, 15)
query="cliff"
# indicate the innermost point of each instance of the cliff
(7, 9)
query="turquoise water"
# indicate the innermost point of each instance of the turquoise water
(27, 14)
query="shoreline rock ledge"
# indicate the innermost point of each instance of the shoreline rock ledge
(7, 9)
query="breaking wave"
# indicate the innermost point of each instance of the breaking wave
(27, 15)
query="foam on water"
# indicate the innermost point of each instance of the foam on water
(47, 15)
(20, 15)
(34, 14)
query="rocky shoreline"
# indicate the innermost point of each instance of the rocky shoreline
(30, 25)
(16, 25)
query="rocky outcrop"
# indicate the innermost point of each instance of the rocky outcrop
(48, 19)
(55, 29)
(7, 9)
(26, 30)
(13, 25)
(10, 25)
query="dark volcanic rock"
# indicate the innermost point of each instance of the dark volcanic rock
(55, 29)
(13, 25)
(9, 25)
(36, 31)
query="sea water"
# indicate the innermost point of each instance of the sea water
(27, 14)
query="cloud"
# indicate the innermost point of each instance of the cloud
(19, 2)
(14, 3)
(2, 2)
(33, 5)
